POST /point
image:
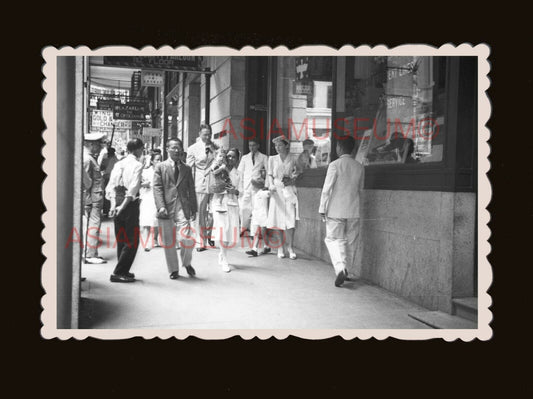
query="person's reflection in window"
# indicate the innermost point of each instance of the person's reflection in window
(307, 159)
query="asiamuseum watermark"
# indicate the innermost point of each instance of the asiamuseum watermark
(185, 236)
(250, 129)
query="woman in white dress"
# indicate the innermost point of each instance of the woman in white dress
(226, 213)
(147, 209)
(283, 169)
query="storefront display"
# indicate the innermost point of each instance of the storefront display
(400, 100)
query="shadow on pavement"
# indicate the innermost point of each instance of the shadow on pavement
(95, 312)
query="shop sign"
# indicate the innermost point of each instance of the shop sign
(303, 88)
(130, 111)
(106, 104)
(152, 78)
(160, 62)
(102, 121)
(152, 132)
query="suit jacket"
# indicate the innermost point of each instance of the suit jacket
(199, 161)
(249, 170)
(167, 189)
(342, 188)
(93, 181)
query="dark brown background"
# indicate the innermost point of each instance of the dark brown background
(292, 366)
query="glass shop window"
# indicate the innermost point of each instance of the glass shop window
(395, 108)
(303, 110)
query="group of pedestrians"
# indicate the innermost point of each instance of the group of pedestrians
(209, 197)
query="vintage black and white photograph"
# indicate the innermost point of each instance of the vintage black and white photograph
(313, 192)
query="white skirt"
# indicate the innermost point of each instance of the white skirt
(147, 209)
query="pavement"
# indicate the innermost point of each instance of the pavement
(261, 292)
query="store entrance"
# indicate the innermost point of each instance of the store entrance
(256, 106)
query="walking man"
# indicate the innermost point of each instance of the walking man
(339, 207)
(93, 196)
(199, 158)
(175, 200)
(252, 166)
(123, 194)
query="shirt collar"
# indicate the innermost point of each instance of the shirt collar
(345, 155)
(174, 163)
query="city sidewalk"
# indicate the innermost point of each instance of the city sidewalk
(259, 293)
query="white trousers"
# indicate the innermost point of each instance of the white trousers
(341, 240)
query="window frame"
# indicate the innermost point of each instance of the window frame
(445, 175)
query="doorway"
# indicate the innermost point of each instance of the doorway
(257, 103)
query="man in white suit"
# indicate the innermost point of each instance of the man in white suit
(199, 158)
(250, 168)
(339, 207)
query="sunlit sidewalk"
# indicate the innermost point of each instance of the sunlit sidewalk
(259, 293)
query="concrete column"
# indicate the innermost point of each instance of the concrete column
(192, 110)
(69, 160)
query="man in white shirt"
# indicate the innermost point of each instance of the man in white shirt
(199, 158)
(123, 193)
(339, 207)
(250, 167)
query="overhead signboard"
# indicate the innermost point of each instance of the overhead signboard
(130, 111)
(157, 62)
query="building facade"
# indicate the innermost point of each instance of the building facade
(415, 121)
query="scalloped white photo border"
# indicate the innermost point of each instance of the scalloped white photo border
(49, 328)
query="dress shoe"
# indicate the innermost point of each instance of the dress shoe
(200, 249)
(190, 271)
(95, 261)
(266, 250)
(147, 249)
(251, 252)
(346, 276)
(174, 275)
(118, 278)
(341, 277)
(211, 243)
(132, 275)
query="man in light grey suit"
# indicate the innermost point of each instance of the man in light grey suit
(175, 201)
(339, 207)
(250, 168)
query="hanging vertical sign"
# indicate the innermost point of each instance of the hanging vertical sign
(152, 78)
(135, 82)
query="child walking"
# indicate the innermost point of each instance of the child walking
(259, 216)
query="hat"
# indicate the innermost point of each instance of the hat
(94, 136)
(280, 138)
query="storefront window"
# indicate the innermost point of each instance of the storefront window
(395, 108)
(303, 107)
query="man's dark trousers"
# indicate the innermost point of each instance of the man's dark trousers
(127, 237)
